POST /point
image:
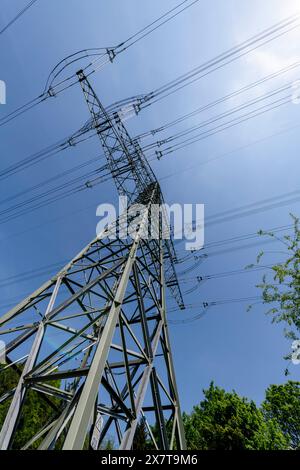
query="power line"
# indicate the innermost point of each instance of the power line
(50, 180)
(183, 78)
(249, 209)
(209, 277)
(69, 142)
(217, 62)
(31, 274)
(215, 118)
(242, 211)
(237, 120)
(144, 32)
(246, 237)
(226, 216)
(50, 151)
(199, 280)
(109, 54)
(19, 14)
(218, 243)
(100, 180)
(109, 279)
(223, 99)
(106, 55)
(238, 149)
(215, 130)
(77, 137)
(170, 85)
(208, 305)
(55, 194)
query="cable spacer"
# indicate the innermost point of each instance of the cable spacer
(137, 108)
(111, 54)
(71, 142)
(51, 92)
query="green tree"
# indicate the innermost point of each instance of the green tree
(144, 441)
(141, 437)
(282, 403)
(226, 421)
(107, 445)
(281, 289)
(36, 411)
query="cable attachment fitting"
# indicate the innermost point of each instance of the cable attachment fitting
(88, 184)
(51, 91)
(159, 143)
(111, 54)
(204, 256)
(137, 107)
(158, 154)
(71, 142)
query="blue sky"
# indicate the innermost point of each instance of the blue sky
(235, 348)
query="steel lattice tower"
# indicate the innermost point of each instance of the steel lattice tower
(93, 341)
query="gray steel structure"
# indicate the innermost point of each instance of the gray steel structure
(93, 341)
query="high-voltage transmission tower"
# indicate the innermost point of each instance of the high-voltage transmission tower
(92, 343)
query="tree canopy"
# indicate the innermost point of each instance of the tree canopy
(221, 421)
(281, 289)
(226, 421)
(37, 410)
(282, 403)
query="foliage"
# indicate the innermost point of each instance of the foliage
(222, 420)
(283, 289)
(36, 411)
(225, 421)
(141, 439)
(107, 445)
(282, 403)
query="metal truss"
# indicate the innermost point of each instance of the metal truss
(129, 168)
(93, 341)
